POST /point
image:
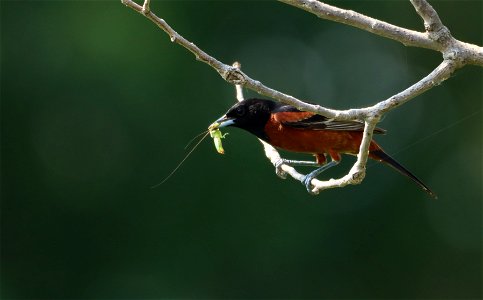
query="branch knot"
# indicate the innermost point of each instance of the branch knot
(234, 75)
(358, 176)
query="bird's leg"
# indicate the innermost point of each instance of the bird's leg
(294, 163)
(308, 178)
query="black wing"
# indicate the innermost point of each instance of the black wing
(316, 122)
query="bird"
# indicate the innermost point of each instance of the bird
(285, 127)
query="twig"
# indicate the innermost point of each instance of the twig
(456, 54)
(146, 9)
(238, 87)
(432, 22)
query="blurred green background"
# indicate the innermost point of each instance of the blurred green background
(97, 105)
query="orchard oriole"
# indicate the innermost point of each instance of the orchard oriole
(286, 127)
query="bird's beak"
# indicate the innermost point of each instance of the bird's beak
(225, 121)
(221, 122)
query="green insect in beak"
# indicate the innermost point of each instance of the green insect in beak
(216, 134)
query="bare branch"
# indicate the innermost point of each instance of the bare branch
(349, 17)
(437, 37)
(200, 55)
(435, 78)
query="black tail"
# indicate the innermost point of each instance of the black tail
(381, 156)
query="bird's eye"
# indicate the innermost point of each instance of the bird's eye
(240, 110)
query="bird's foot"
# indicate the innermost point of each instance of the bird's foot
(278, 168)
(307, 179)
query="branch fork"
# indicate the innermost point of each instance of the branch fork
(437, 37)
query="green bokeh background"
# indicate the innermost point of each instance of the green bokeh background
(97, 105)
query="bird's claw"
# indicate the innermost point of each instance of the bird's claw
(308, 185)
(278, 169)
